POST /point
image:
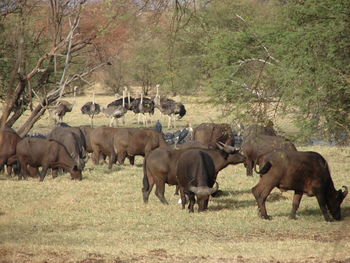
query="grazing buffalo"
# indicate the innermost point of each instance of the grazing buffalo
(47, 154)
(212, 133)
(101, 139)
(131, 142)
(74, 141)
(196, 176)
(303, 172)
(160, 166)
(8, 142)
(254, 147)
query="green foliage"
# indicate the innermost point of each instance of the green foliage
(316, 56)
(264, 57)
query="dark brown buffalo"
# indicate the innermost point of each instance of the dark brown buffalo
(8, 142)
(196, 177)
(47, 154)
(303, 172)
(101, 139)
(254, 147)
(74, 141)
(212, 133)
(131, 142)
(160, 166)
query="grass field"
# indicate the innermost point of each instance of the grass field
(103, 218)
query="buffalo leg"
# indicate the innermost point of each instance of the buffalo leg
(322, 203)
(111, 160)
(192, 199)
(9, 169)
(121, 157)
(160, 190)
(23, 167)
(43, 172)
(131, 159)
(147, 188)
(182, 196)
(96, 156)
(261, 191)
(249, 167)
(177, 190)
(296, 202)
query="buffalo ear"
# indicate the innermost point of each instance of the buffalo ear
(345, 192)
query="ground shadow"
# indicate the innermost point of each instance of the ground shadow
(221, 204)
(232, 192)
(345, 212)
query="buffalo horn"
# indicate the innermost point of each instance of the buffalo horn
(227, 148)
(203, 191)
(345, 192)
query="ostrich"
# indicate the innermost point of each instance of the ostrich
(141, 106)
(115, 111)
(63, 106)
(169, 107)
(91, 108)
(120, 101)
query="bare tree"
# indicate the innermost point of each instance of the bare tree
(66, 43)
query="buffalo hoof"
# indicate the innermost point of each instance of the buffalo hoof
(266, 217)
(329, 219)
(293, 217)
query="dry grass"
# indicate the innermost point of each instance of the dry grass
(103, 218)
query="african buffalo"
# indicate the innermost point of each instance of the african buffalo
(131, 142)
(8, 142)
(254, 147)
(74, 141)
(196, 176)
(101, 139)
(212, 133)
(160, 166)
(303, 172)
(47, 154)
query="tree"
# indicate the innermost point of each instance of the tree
(49, 56)
(316, 69)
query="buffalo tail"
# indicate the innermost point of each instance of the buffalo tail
(265, 168)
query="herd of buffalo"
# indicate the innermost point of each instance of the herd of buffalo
(192, 166)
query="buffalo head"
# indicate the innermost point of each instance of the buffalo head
(334, 203)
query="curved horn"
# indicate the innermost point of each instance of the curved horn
(204, 190)
(345, 192)
(226, 148)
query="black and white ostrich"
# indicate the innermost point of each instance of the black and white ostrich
(91, 108)
(115, 111)
(169, 107)
(63, 106)
(141, 106)
(120, 101)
